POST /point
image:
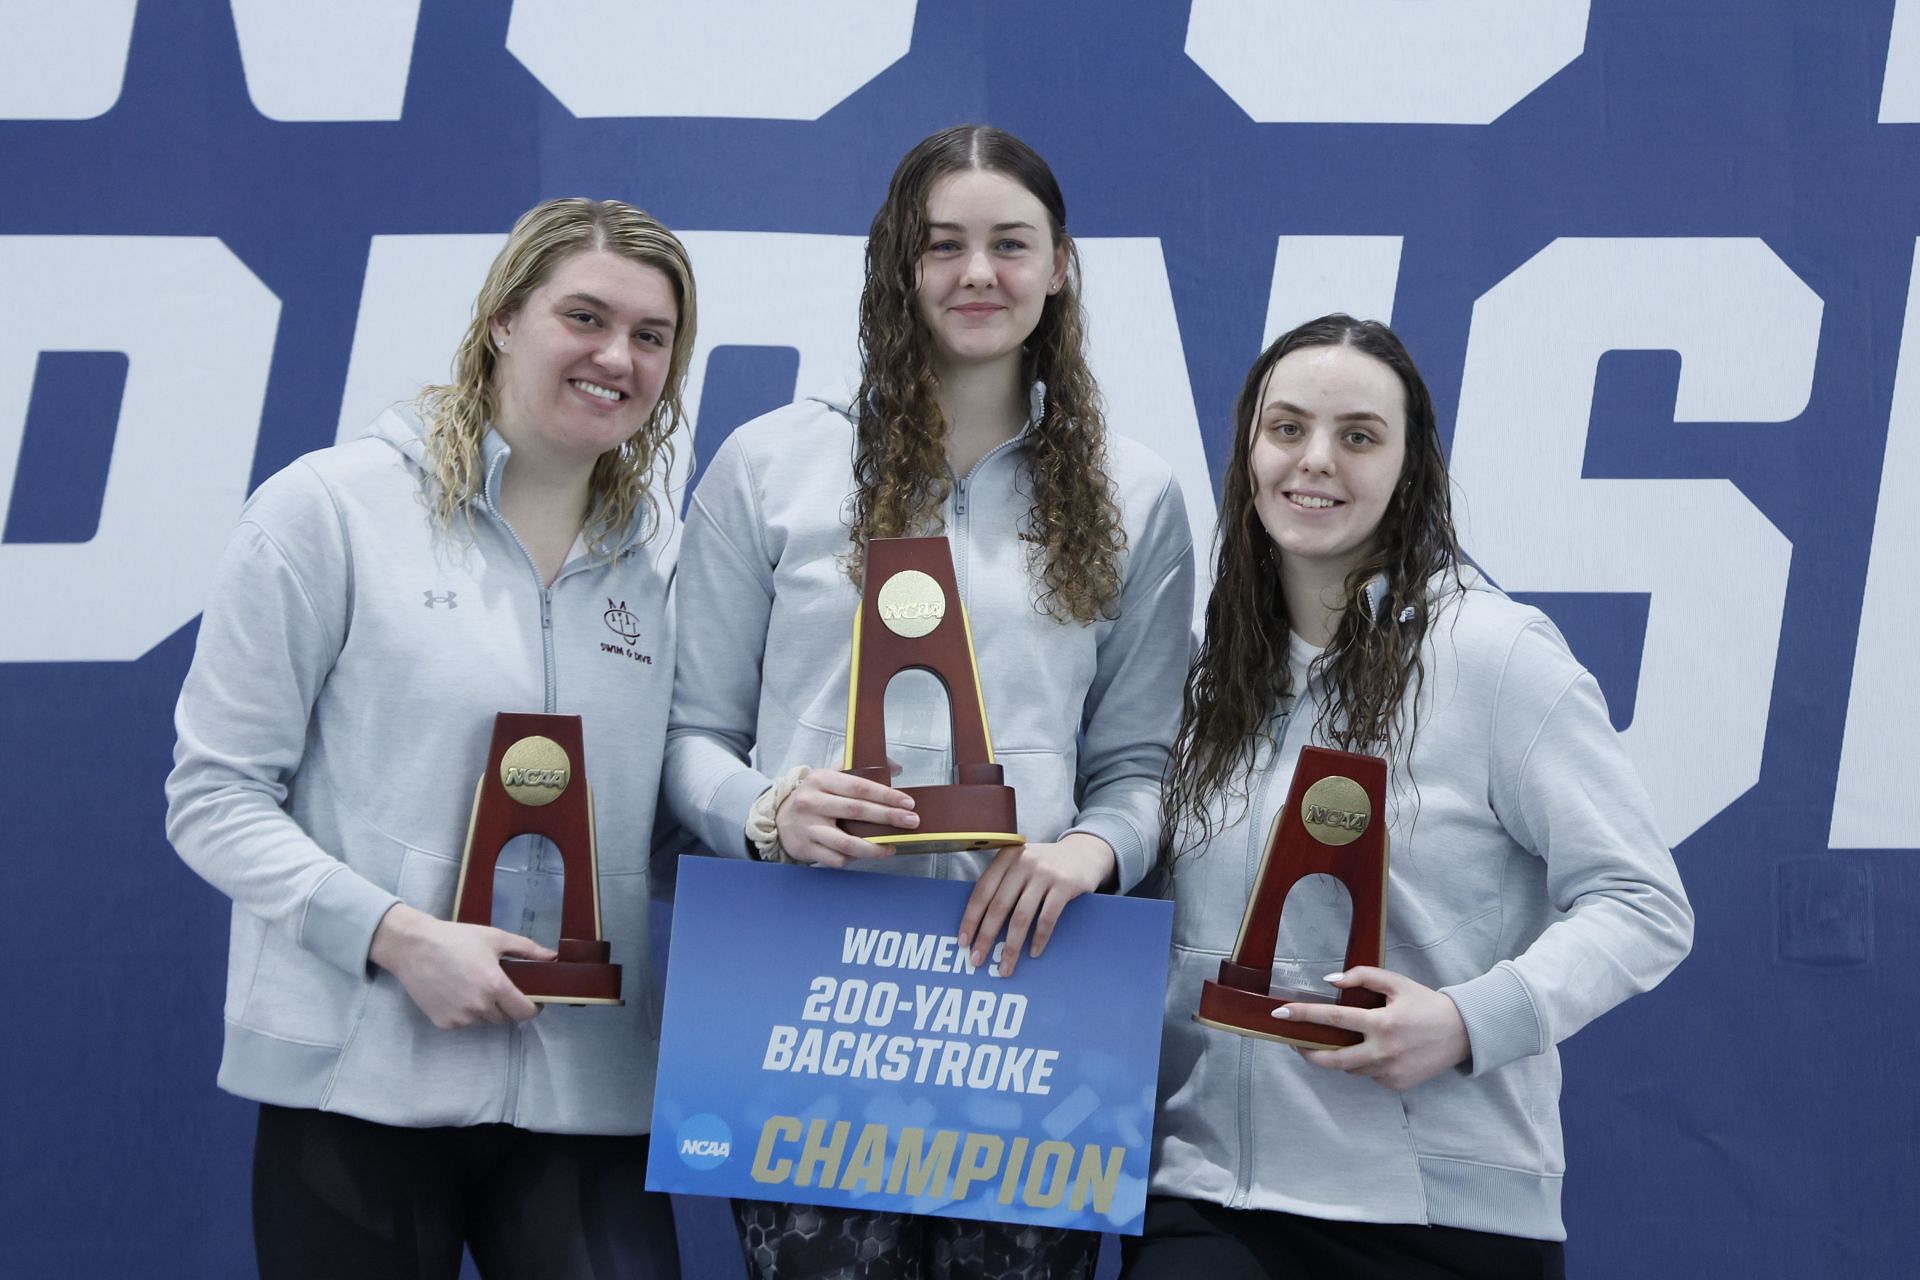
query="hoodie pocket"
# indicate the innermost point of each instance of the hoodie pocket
(922, 762)
(297, 996)
(1043, 787)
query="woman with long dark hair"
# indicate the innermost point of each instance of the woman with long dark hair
(975, 417)
(1528, 890)
(381, 601)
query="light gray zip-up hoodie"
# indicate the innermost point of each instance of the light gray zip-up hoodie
(1526, 881)
(1081, 717)
(336, 717)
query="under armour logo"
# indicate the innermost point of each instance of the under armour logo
(445, 598)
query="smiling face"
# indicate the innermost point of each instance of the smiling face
(1328, 446)
(582, 362)
(986, 271)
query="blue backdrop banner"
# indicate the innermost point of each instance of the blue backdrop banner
(1657, 261)
(825, 1041)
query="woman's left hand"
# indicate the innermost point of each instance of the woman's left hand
(1025, 887)
(1414, 1038)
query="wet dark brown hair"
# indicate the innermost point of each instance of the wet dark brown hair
(1240, 674)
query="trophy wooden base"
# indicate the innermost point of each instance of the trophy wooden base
(582, 975)
(1250, 1013)
(954, 817)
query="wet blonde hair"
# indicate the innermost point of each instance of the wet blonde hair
(458, 413)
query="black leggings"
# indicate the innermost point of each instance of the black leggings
(336, 1196)
(807, 1242)
(1192, 1238)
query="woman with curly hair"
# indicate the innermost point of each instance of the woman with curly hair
(1528, 891)
(976, 418)
(380, 603)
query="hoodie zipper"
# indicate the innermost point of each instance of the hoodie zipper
(516, 1034)
(962, 527)
(959, 532)
(962, 523)
(1255, 838)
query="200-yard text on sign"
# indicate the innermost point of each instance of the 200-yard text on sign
(827, 1041)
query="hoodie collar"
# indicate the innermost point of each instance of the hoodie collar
(494, 452)
(402, 427)
(1465, 576)
(1376, 593)
(1036, 408)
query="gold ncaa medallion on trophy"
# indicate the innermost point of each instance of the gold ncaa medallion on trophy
(1333, 824)
(535, 783)
(911, 618)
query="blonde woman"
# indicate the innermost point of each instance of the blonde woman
(380, 602)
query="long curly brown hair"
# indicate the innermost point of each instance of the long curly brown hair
(459, 412)
(900, 463)
(1241, 672)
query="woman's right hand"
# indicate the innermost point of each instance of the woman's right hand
(809, 819)
(451, 970)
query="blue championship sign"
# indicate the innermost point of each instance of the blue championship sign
(827, 1041)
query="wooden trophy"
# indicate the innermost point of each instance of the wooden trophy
(535, 784)
(911, 618)
(1332, 824)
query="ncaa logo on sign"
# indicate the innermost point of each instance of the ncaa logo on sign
(705, 1141)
